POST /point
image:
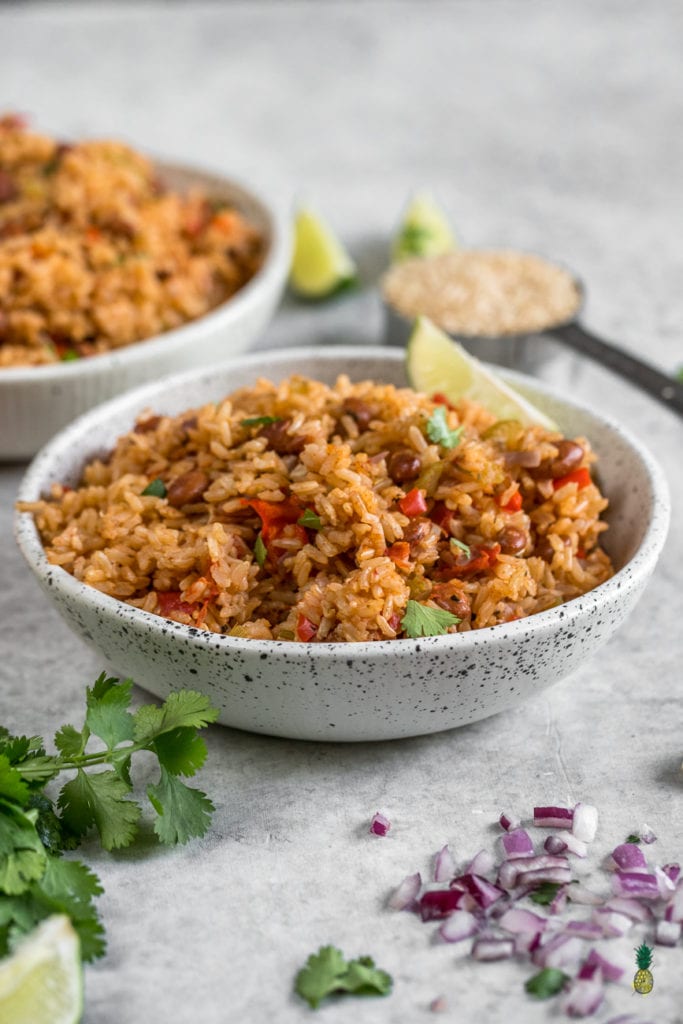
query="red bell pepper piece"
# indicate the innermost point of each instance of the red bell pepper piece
(274, 515)
(441, 399)
(413, 504)
(399, 552)
(479, 559)
(513, 504)
(580, 477)
(305, 629)
(172, 601)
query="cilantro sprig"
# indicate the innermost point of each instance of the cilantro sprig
(546, 983)
(328, 973)
(421, 620)
(545, 893)
(35, 828)
(439, 432)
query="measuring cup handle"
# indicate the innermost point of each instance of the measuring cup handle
(648, 378)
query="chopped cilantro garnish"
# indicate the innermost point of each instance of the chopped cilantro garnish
(420, 620)
(463, 547)
(260, 421)
(545, 893)
(546, 983)
(438, 430)
(633, 839)
(70, 355)
(155, 489)
(311, 520)
(260, 552)
(327, 973)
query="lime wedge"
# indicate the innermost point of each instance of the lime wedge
(424, 230)
(436, 363)
(321, 266)
(42, 981)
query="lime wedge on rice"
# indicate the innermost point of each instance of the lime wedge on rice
(436, 363)
(42, 981)
(424, 230)
(321, 266)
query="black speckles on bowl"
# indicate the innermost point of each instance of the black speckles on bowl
(353, 692)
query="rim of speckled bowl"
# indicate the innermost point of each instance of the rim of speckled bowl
(274, 212)
(37, 478)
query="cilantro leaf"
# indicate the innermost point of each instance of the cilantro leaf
(438, 430)
(183, 812)
(16, 748)
(184, 708)
(327, 972)
(463, 547)
(633, 838)
(48, 825)
(260, 421)
(100, 799)
(311, 520)
(155, 489)
(421, 620)
(11, 783)
(546, 983)
(22, 855)
(38, 769)
(108, 716)
(545, 893)
(260, 551)
(70, 742)
(181, 751)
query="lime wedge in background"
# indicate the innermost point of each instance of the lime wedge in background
(424, 230)
(42, 981)
(436, 363)
(321, 266)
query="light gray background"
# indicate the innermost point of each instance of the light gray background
(556, 127)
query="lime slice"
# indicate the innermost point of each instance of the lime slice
(42, 982)
(321, 266)
(424, 231)
(436, 363)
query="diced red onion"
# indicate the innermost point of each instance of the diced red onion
(588, 971)
(578, 893)
(585, 929)
(629, 857)
(460, 925)
(635, 883)
(485, 893)
(517, 844)
(585, 822)
(511, 870)
(631, 908)
(625, 1018)
(557, 876)
(507, 823)
(518, 920)
(507, 874)
(444, 865)
(559, 951)
(647, 835)
(493, 949)
(526, 942)
(437, 903)
(379, 826)
(573, 845)
(559, 901)
(553, 844)
(583, 998)
(667, 933)
(483, 863)
(405, 895)
(438, 1005)
(666, 886)
(612, 922)
(674, 909)
(609, 970)
(553, 817)
(672, 871)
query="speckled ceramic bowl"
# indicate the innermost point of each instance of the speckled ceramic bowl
(37, 401)
(357, 691)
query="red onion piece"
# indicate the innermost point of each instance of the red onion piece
(517, 844)
(553, 817)
(507, 823)
(635, 883)
(647, 835)
(511, 870)
(518, 920)
(674, 910)
(557, 875)
(584, 929)
(672, 871)
(444, 865)
(493, 949)
(507, 874)
(573, 845)
(585, 822)
(405, 895)
(666, 886)
(609, 970)
(583, 998)
(578, 893)
(438, 1005)
(559, 901)
(526, 942)
(483, 863)
(438, 903)
(553, 844)
(460, 925)
(379, 826)
(612, 922)
(559, 951)
(631, 908)
(629, 857)
(587, 970)
(667, 933)
(485, 893)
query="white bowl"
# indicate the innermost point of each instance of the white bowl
(37, 401)
(353, 691)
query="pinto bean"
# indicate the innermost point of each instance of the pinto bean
(404, 465)
(8, 189)
(512, 541)
(360, 410)
(187, 488)
(569, 457)
(544, 549)
(280, 440)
